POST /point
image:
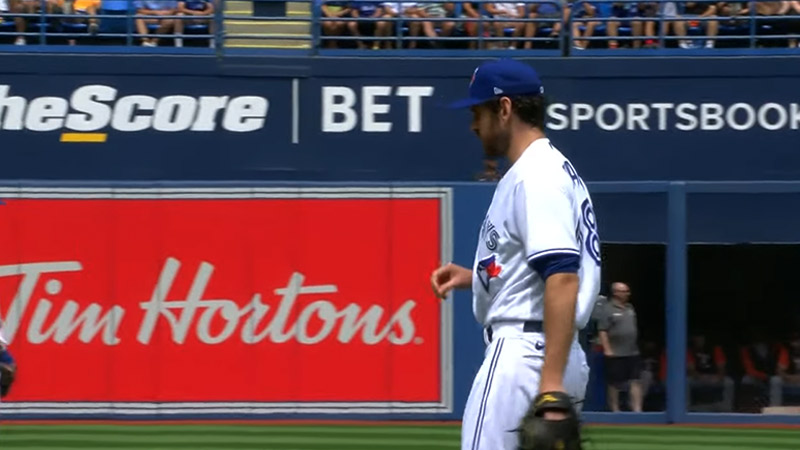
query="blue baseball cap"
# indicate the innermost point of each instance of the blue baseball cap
(502, 77)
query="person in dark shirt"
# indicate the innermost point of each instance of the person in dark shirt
(706, 365)
(760, 362)
(471, 10)
(702, 10)
(372, 10)
(201, 13)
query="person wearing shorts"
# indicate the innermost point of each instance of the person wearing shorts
(547, 9)
(618, 330)
(432, 29)
(365, 10)
(501, 11)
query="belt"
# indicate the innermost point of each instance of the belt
(529, 326)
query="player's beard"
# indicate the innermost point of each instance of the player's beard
(496, 145)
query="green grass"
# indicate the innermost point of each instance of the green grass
(356, 437)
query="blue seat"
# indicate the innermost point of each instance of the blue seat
(113, 25)
(116, 8)
(7, 26)
(118, 5)
(76, 28)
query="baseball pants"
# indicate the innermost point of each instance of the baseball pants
(507, 383)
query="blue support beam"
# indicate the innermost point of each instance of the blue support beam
(676, 305)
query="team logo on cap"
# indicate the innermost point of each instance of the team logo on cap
(488, 268)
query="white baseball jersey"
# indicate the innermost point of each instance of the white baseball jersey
(540, 207)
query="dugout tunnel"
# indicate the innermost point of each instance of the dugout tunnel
(701, 258)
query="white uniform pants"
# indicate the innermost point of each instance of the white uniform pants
(507, 383)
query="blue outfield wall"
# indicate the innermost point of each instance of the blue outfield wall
(198, 119)
(373, 119)
(633, 212)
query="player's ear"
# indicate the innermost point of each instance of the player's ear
(505, 108)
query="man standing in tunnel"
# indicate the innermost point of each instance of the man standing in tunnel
(618, 329)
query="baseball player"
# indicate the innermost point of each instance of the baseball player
(535, 277)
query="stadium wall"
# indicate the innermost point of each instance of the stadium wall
(89, 132)
(371, 119)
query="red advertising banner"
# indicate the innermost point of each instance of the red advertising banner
(302, 299)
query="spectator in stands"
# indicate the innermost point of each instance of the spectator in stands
(618, 329)
(671, 21)
(437, 11)
(773, 26)
(644, 27)
(788, 370)
(335, 27)
(706, 366)
(583, 26)
(548, 9)
(372, 10)
(31, 7)
(201, 13)
(401, 10)
(702, 10)
(156, 8)
(471, 10)
(793, 25)
(499, 12)
(88, 7)
(733, 13)
(619, 10)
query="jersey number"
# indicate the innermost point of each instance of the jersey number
(591, 243)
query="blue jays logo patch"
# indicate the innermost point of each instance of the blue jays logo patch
(488, 269)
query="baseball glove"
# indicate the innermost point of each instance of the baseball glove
(536, 433)
(7, 374)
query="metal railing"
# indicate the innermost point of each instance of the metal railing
(48, 27)
(484, 25)
(748, 22)
(55, 27)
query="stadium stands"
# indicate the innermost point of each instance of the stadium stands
(554, 25)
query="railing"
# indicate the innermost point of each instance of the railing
(483, 26)
(735, 31)
(524, 31)
(115, 21)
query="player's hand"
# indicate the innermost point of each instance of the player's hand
(553, 414)
(448, 277)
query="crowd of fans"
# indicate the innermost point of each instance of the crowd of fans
(473, 25)
(539, 24)
(152, 18)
